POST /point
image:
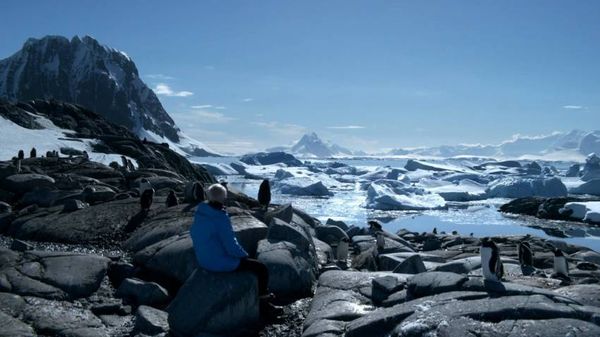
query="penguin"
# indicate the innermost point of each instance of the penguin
(492, 267)
(374, 226)
(18, 165)
(86, 156)
(341, 252)
(146, 199)
(124, 162)
(172, 199)
(144, 185)
(525, 254)
(561, 266)
(198, 192)
(264, 193)
(434, 231)
(21, 155)
(380, 239)
(33, 153)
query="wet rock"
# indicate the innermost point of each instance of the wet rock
(142, 293)
(151, 321)
(5, 208)
(173, 257)
(223, 304)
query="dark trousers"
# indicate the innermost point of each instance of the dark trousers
(260, 270)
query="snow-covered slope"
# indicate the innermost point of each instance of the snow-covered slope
(566, 145)
(310, 145)
(100, 78)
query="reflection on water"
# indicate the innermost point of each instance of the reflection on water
(480, 218)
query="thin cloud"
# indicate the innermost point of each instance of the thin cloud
(248, 99)
(212, 117)
(204, 106)
(346, 127)
(164, 90)
(282, 128)
(162, 77)
(220, 107)
(573, 107)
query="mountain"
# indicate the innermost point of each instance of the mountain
(310, 145)
(576, 143)
(97, 77)
(51, 125)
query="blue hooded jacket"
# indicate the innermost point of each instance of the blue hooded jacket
(215, 244)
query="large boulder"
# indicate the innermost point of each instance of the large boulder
(215, 303)
(53, 275)
(173, 258)
(142, 292)
(151, 321)
(23, 183)
(330, 234)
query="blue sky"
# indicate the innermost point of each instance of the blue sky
(242, 75)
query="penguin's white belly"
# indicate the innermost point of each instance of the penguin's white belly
(560, 265)
(486, 256)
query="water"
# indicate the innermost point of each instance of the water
(480, 218)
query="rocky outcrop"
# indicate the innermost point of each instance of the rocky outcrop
(215, 303)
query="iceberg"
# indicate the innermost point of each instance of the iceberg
(589, 187)
(302, 185)
(387, 194)
(512, 187)
(584, 211)
(465, 190)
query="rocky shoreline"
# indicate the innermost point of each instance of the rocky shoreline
(78, 257)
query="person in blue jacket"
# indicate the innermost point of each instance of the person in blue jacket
(216, 246)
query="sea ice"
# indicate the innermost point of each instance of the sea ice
(397, 195)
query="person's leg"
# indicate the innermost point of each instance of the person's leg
(261, 272)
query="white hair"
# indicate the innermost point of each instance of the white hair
(216, 192)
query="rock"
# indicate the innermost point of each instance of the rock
(142, 293)
(290, 232)
(330, 234)
(586, 294)
(52, 318)
(89, 225)
(461, 266)
(281, 174)
(162, 182)
(413, 165)
(269, 158)
(72, 205)
(223, 304)
(588, 256)
(20, 246)
(98, 194)
(12, 327)
(385, 286)
(23, 183)
(512, 187)
(283, 213)
(292, 270)
(412, 265)
(151, 321)
(52, 275)
(249, 231)
(338, 223)
(397, 195)
(5, 208)
(11, 304)
(434, 282)
(119, 271)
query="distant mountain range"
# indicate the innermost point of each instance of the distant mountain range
(100, 78)
(574, 142)
(311, 146)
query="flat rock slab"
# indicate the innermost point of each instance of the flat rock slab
(52, 275)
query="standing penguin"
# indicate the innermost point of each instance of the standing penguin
(380, 239)
(21, 155)
(264, 193)
(341, 252)
(172, 199)
(492, 267)
(18, 165)
(434, 231)
(525, 254)
(198, 192)
(124, 162)
(147, 194)
(33, 153)
(561, 266)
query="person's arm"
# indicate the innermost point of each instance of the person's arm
(228, 239)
